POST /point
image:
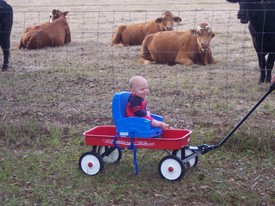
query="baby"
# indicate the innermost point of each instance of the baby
(137, 103)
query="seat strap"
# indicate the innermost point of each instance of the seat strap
(134, 148)
(116, 145)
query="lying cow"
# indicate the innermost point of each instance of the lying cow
(134, 34)
(171, 47)
(54, 33)
(6, 21)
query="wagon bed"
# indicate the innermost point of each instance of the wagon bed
(171, 139)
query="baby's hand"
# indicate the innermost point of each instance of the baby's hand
(165, 126)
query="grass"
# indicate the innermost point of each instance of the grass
(42, 142)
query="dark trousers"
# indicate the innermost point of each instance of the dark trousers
(6, 21)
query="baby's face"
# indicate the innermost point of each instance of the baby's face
(140, 89)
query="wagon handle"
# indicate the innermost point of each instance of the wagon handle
(206, 148)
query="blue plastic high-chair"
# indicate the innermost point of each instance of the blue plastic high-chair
(132, 126)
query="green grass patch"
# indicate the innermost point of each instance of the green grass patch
(45, 114)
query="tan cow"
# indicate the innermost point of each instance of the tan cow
(171, 47)
(134, 34)
(54, 33)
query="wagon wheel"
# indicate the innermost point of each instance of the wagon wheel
(171, 168)
(112, 155)
(193, 162)
(91, 163)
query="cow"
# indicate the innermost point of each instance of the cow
(134, 34)
(6, 21)
(183, 47)
(260, 15)
(54, 33)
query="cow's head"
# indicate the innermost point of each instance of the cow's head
(204, 36)
(248, 8)
(56, 14)
(167, 20)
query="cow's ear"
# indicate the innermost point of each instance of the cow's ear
(193, 31)
(158, 20)
(177, 19)
(65, 13)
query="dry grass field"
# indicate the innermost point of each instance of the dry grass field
(51, 96)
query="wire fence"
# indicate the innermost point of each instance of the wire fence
(94, 29)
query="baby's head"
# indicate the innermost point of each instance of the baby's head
(139, 86)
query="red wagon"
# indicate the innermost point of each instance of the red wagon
(102, 139)
(106, 147)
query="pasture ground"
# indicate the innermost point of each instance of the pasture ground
(51, 96)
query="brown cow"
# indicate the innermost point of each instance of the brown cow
(54, 33)
(171, 47)
(134, 34)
